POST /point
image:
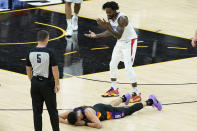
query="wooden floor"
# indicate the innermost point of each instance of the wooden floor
(177, 17)
(15, 89)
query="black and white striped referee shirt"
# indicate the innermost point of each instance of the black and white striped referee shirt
(41, 59)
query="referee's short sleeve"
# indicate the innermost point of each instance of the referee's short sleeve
(28, 63)
(53, 58)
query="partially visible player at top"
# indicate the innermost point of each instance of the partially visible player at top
(72, 21)
(118, 26)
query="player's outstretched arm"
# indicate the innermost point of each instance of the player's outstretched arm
(100, 35)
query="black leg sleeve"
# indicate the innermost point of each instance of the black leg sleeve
(136, 107)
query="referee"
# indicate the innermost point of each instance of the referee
(42, 70)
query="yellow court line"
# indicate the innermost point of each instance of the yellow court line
(18, 10)
(70, 52)
(143, 46)
(177, 48)
(12, 72)
(62, 30)
(69, 75)
(140, 41)
(102, 48)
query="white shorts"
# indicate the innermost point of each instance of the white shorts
(74, 1)
(125, 51)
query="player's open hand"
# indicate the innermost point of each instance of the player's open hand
(106, 25)
(91, 34)
(57, 88)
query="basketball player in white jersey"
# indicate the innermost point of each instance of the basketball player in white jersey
(72, 22)
(124, 50)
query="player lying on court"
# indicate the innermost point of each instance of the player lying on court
(93, 115)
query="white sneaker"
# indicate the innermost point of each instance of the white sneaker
(75, 23)
(69, 31)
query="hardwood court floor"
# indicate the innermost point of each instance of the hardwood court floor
(76, 92)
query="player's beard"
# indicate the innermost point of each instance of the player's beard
(112, 16)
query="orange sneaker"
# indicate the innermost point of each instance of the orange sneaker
(135, 98)
(111, 93)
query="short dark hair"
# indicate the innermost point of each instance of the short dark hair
(112, 4)
(42, 35)
(72, 117)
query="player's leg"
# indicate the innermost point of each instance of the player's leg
(77, 7)
(120, 112)
(151, 101)
(129, 56)
(68, 12)
(115, 59)
(125, 98)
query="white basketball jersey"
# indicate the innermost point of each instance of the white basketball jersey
(129, 32)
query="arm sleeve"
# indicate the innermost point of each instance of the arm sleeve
(53, 58)
(28, 63)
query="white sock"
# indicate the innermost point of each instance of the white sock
(135, 89)
(114, 84)
(69, 21)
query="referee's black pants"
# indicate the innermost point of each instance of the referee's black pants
(43, 91)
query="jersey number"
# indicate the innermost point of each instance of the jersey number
(38, 58)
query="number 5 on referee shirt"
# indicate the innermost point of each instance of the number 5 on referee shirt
(38, 58)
